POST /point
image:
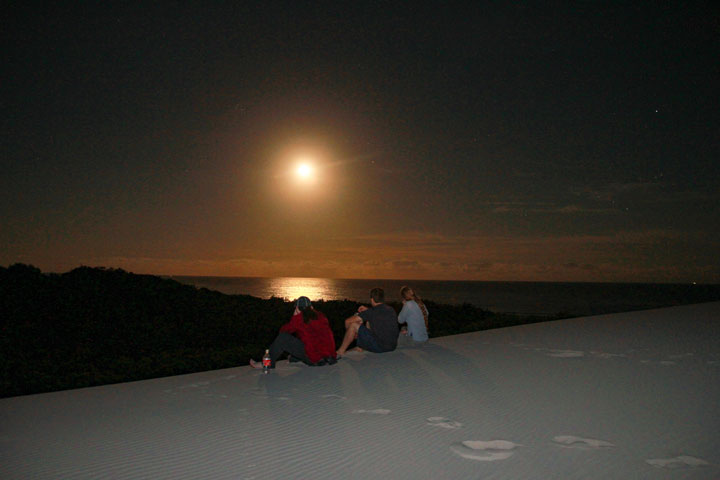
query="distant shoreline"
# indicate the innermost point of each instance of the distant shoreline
(174, 277)
(522, 298)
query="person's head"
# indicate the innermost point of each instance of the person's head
(305, 307)
(406, 293)
(377, 296)
(303, 303)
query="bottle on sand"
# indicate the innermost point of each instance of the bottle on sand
(266, 361)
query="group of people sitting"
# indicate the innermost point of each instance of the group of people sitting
(307, 337)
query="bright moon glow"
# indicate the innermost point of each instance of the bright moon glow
(304, 171)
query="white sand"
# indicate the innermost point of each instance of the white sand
(623, 396)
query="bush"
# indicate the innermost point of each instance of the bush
(93, 326)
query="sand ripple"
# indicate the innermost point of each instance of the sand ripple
(683, 461)
(377, 411)
(581, 443)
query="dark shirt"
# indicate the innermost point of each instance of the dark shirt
(382, 322)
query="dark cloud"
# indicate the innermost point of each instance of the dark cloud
(585, 266)
(477, 267)
(406, 264)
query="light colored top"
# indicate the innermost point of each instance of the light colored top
(413, 316)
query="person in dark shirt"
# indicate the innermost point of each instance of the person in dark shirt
(306, 337)
(375, 329)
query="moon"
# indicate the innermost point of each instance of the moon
(304, 171)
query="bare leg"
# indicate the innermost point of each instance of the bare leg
(349, 337)
(352, 327)
(350, 320)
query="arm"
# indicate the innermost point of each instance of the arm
(403, 313)
(293, 325)
(361, 316)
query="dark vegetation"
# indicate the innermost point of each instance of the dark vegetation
(94, 326)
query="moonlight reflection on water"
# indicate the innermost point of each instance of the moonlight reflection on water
(293, 288)
(530, 298)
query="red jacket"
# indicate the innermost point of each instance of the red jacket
(316, 335)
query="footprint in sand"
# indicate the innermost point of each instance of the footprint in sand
(377, 411)
(215, 395)
(443, 422)
(570, 441)
(333, 396)
(608, 355)
(683, 461)
(681, 355)
(566, 353)
(485, 451)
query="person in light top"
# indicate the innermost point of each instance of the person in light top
(306, 337)
(414, 314)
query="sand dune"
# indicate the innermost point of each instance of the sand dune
(632, 395)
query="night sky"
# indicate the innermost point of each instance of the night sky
(472, 140)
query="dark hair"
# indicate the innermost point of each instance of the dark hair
(377, 294)
(305, 306)
(309, 314)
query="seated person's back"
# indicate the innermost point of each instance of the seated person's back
(382, 322)
(315, 335)
(413, 316)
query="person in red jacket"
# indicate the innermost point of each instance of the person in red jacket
(307, 337)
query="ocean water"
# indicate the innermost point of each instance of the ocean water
(538, 298)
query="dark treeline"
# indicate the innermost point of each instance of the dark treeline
(94, 326)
